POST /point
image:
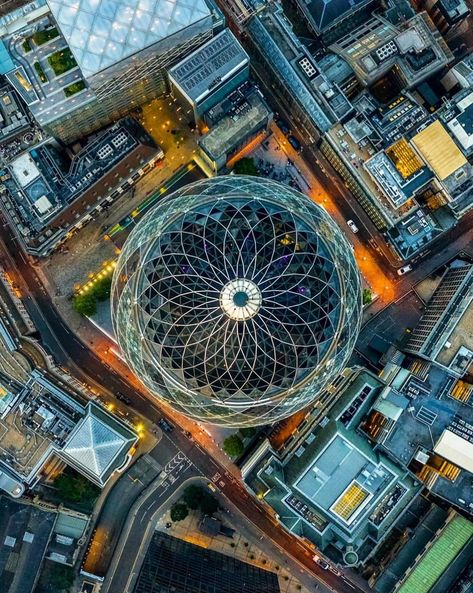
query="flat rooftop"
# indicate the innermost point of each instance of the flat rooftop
(24, 535)
(102, 33)
(436, 560)
(342, 480)
(439, 150)
(229, 131)
(209, 65)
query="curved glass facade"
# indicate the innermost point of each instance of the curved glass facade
(236, 300)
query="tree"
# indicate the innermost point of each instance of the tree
(208, 504)
(233, 446)
(245, 166)
(179, 512)
(85, 304)
(73, 487)
(102, 288)
(193, 496)
(248, 432)
(367, 296)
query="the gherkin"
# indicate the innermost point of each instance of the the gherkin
(236, 300)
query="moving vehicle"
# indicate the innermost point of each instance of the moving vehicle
(352, 226)
(404, 270)
(165, 425)
(322, 563)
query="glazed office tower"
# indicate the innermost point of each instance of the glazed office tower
(123, 48)
(236, 300)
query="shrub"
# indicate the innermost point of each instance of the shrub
(62, 61)
(40, 72)
(26, 45)
(42, 37)
(74, 88)
(85, 304)
(367, 296)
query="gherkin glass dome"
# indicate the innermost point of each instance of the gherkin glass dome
(237, 300)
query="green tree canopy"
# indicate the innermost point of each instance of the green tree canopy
(73, 487)
(179, 512)
(367, 296)
(192, 496)
(245, 166)
(85, 304)
(208, 504)
(233, 446)
(102, 288)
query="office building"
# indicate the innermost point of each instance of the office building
(452, 541)
(328, 18)
(210, 73)
(48, 195)
(411, 50)
(314, 101)
(328, 485)
(237, 122)
(436, 552)
(423, 420)
(171, 564)
(445, 14)
(461, 125)
(31, 534)
(223, 331)
(446, 311)
(46, 425)
(99, 63)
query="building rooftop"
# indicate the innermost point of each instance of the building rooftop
(438, 557)
(98, 444)
(172, 564)
(462, 125)
(234, 125)
(326, 13)
(342, 480)
(438, 150)
(102, 33)
(209, 65)
(25, 531)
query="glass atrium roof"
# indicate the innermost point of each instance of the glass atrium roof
(101, 33)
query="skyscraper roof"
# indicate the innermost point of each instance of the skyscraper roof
(101, 33)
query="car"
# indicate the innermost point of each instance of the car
(283, 126)
(404, 270)
(352, 226)
(322, 563)
(165, 425)
(294, 142)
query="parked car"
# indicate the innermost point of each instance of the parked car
(352, 226)
(283, 126)
(404, 270)
(294, 142)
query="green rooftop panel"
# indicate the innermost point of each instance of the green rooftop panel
(439, 557)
